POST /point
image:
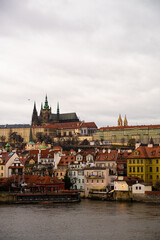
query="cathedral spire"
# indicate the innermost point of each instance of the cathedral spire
(30, 136)
(46, 106)
(58, 110)
(125, 121)
(120, 123)
(35, 120)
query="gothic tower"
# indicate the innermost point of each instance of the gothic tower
(125, 121)
(35, 120)
(45, 112)
(58, 111)
(120, 123)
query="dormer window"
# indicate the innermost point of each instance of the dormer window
(136, 153)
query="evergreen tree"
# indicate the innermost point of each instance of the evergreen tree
(67, 181)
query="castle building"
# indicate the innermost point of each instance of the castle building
(47, 117)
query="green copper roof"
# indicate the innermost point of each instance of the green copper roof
(31, 143)
(43, 145)
(7, 145)
(46, 103)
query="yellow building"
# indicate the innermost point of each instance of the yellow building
(20, 129)
(144, 163)
(58, 131)
(2, 169)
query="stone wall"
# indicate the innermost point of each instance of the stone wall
(122, 196)
(7, 198)
(153, 197)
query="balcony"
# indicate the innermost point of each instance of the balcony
(94, 177)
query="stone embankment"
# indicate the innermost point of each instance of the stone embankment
(153, 197)
(149, 196)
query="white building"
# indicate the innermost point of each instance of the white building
(141, 188)
(76, 174)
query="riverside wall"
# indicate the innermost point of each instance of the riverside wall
(152, 197)
(8, 198)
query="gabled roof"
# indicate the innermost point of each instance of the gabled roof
(66, 160)
(122, 157)
(6, 156)
(129, 180)
(145, 152)
(106, 156)
(64, 117)
(70, 125)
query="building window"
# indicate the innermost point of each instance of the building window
(102, 181)
(79, 180)
(97, 181)
(139, 188)
(1, 174)
(137, 169)
(150, 176)
(138, 161)
(1, 167)
(157, 161)
(141, 169)
(141, 161)
(130, 169)
(157, 176)
(87, 181)
(150, 169)
(150, 161)
(133, 161)
(92, 180)
(129, 161)
(133, 169)
(157, 169)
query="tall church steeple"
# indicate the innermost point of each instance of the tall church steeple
(35, 120)
(30, 136)
(120, 123)
(125, 121)
(58, 111)
(46, 106)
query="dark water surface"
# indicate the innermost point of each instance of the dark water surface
(87, 220)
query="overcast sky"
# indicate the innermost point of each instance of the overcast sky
(98, 58)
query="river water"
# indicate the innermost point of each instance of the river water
(87, 220)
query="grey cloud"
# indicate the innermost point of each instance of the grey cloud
(99, 58)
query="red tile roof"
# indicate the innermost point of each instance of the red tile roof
(111, 156)
(146, 152)
(128, 127)
(130, 180)
(66, 160)
(70, 125)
